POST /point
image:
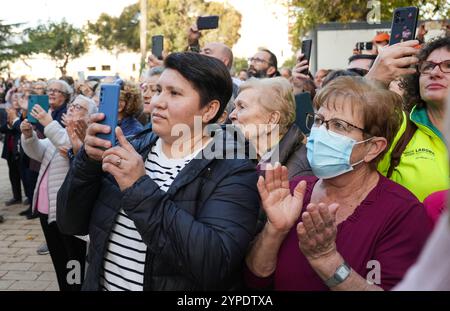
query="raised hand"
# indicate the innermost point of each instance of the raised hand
(317, 231)
(281, 207)
(44, 118)
(26, 128)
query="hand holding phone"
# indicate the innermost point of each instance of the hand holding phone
(42, 101)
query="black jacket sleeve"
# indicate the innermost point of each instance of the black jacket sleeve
(77, 195)
(209, 246)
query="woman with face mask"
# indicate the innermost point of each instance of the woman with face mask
(348, 224)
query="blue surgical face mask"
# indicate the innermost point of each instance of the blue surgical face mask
(329, 153)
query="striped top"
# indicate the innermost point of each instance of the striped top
(124, 260)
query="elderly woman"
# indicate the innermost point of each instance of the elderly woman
(88, 88)
(265, 113)
(148, 87)
(418, 158)
(161, 212)
(348, 223)
(63, 248)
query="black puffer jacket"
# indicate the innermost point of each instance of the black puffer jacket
(197, 234)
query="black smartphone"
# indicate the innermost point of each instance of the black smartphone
(158, 46)
(306, 51)
(208, 22)
(404, 24)
(304, 106)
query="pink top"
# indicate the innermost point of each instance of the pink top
(435, 204)
(42, 201)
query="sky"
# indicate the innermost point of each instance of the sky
(263, 23)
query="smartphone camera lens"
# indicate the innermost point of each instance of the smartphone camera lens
(397, 14)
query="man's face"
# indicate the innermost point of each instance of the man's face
(260, 66)
(215, 50)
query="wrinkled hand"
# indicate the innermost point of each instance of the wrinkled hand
(93, 145)
(80, 128)
(193, 35)
(123, 162)
(11, 115)
(26, 128)
(317, 231)
(394, 61)
(44, 118)
(153, 61)
(75, 141)
(282, 208)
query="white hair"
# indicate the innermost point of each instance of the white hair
(92, 107)
(67, 88)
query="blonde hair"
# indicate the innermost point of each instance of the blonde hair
(380, 109)
(132, 95)
(275, 94)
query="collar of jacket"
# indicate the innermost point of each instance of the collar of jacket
(420, 117)
(289, 143)
(225, 143)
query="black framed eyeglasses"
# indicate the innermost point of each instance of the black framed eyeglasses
(426, 67)
(259, 60)
(335, 125)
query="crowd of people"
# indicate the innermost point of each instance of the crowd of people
(212, 185)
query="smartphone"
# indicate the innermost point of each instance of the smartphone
(109, 106)
(41, 100)
(304, 105)
(158, 46)
(306, 51)
(81, 77)
(404, 24)
(208, 22)
(363, 46)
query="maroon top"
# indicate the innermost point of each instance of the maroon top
(390, 226)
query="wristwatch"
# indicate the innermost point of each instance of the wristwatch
(341, 274)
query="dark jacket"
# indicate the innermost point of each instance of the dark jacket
(197, 234)
(292, 153)
(14, 134)
(130, 126)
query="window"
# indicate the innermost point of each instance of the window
(134, 67)
(91, 68)
(106, 67)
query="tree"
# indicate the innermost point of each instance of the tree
(8, 48)
(171, 18)
(240, 63)
(305, 14)
(59, 40)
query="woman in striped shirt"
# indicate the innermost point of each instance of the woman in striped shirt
(166, 214)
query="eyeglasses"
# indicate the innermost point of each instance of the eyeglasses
(335, 125)
(427, 67)
(76, 106)
(146, 86)
(55, 91)
(258, 60)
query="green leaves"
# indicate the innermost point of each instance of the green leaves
(59, 40)
(305, 14)
(171, 18)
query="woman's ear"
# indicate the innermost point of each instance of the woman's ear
(121, 105)
(210, 111)
(377, 146)
(274, 117)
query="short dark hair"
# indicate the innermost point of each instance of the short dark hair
(207, 75)
(362, 56)
(272, 59)
(338, 73)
